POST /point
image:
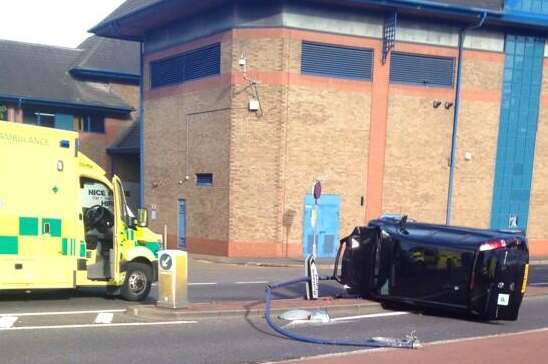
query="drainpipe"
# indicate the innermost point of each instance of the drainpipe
(141, 130)
(453, 161)
(18, 114)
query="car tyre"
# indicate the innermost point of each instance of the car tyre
(138, 281)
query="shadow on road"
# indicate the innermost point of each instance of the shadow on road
(64, 295)
(433, 312)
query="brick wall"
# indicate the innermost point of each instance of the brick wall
(198, 109)
(314, 127)
(419, 143)
(478, 132)
(255, 161)
(538, 213)
(256, 155)
(94, 145)
(416, 167)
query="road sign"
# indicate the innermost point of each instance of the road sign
(312, 287)
(166, 262)
(317, 190)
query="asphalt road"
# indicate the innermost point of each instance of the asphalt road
(51, 327)
(209, 282)
(226, 340)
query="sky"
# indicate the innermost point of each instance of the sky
(55, 22)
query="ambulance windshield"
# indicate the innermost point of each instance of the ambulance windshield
(97, 203)
(95, 193)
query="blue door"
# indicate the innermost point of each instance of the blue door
(181, 232)
(327, 225)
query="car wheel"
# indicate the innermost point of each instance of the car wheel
(138, 281)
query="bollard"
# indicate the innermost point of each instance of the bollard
(312, 286)
(172, 279)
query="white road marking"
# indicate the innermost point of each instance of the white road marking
(56, 313)
(539, 284)
(203, 284)
(347, 318)
(373, 315)
(88, 326)
(7, 322)
(217, 283)
(104, 318)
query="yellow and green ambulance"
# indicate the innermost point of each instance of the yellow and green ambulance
(63, 223)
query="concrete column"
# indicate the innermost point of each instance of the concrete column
(377, 138)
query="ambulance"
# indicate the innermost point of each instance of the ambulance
(63, 223)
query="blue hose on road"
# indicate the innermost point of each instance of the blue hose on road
(409, 343)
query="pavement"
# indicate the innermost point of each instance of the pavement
(256, 308)
(247, 309)
(493, 349)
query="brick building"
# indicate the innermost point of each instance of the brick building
(92, 89)
(247, 103)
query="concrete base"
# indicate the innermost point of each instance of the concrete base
(254, 309)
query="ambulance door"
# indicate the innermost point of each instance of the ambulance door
(98, 211)
(120, 224)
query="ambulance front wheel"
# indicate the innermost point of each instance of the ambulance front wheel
(138, 281)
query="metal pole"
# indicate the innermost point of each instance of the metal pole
(314, 229)
(165, 236)
(453, 161)
(141, 131)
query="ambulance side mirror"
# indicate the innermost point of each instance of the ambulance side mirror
(142, 217)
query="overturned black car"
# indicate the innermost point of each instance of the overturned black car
(481, 272)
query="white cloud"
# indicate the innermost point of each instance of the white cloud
(54, 22)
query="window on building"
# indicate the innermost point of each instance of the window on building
(91, 123)
(3, 112)
(39, 117)
(48, 118)
(199, 63)
(64, 121)
(421, 70)
(204, 179)
(336, 61)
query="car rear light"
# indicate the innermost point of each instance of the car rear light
(492, 245)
